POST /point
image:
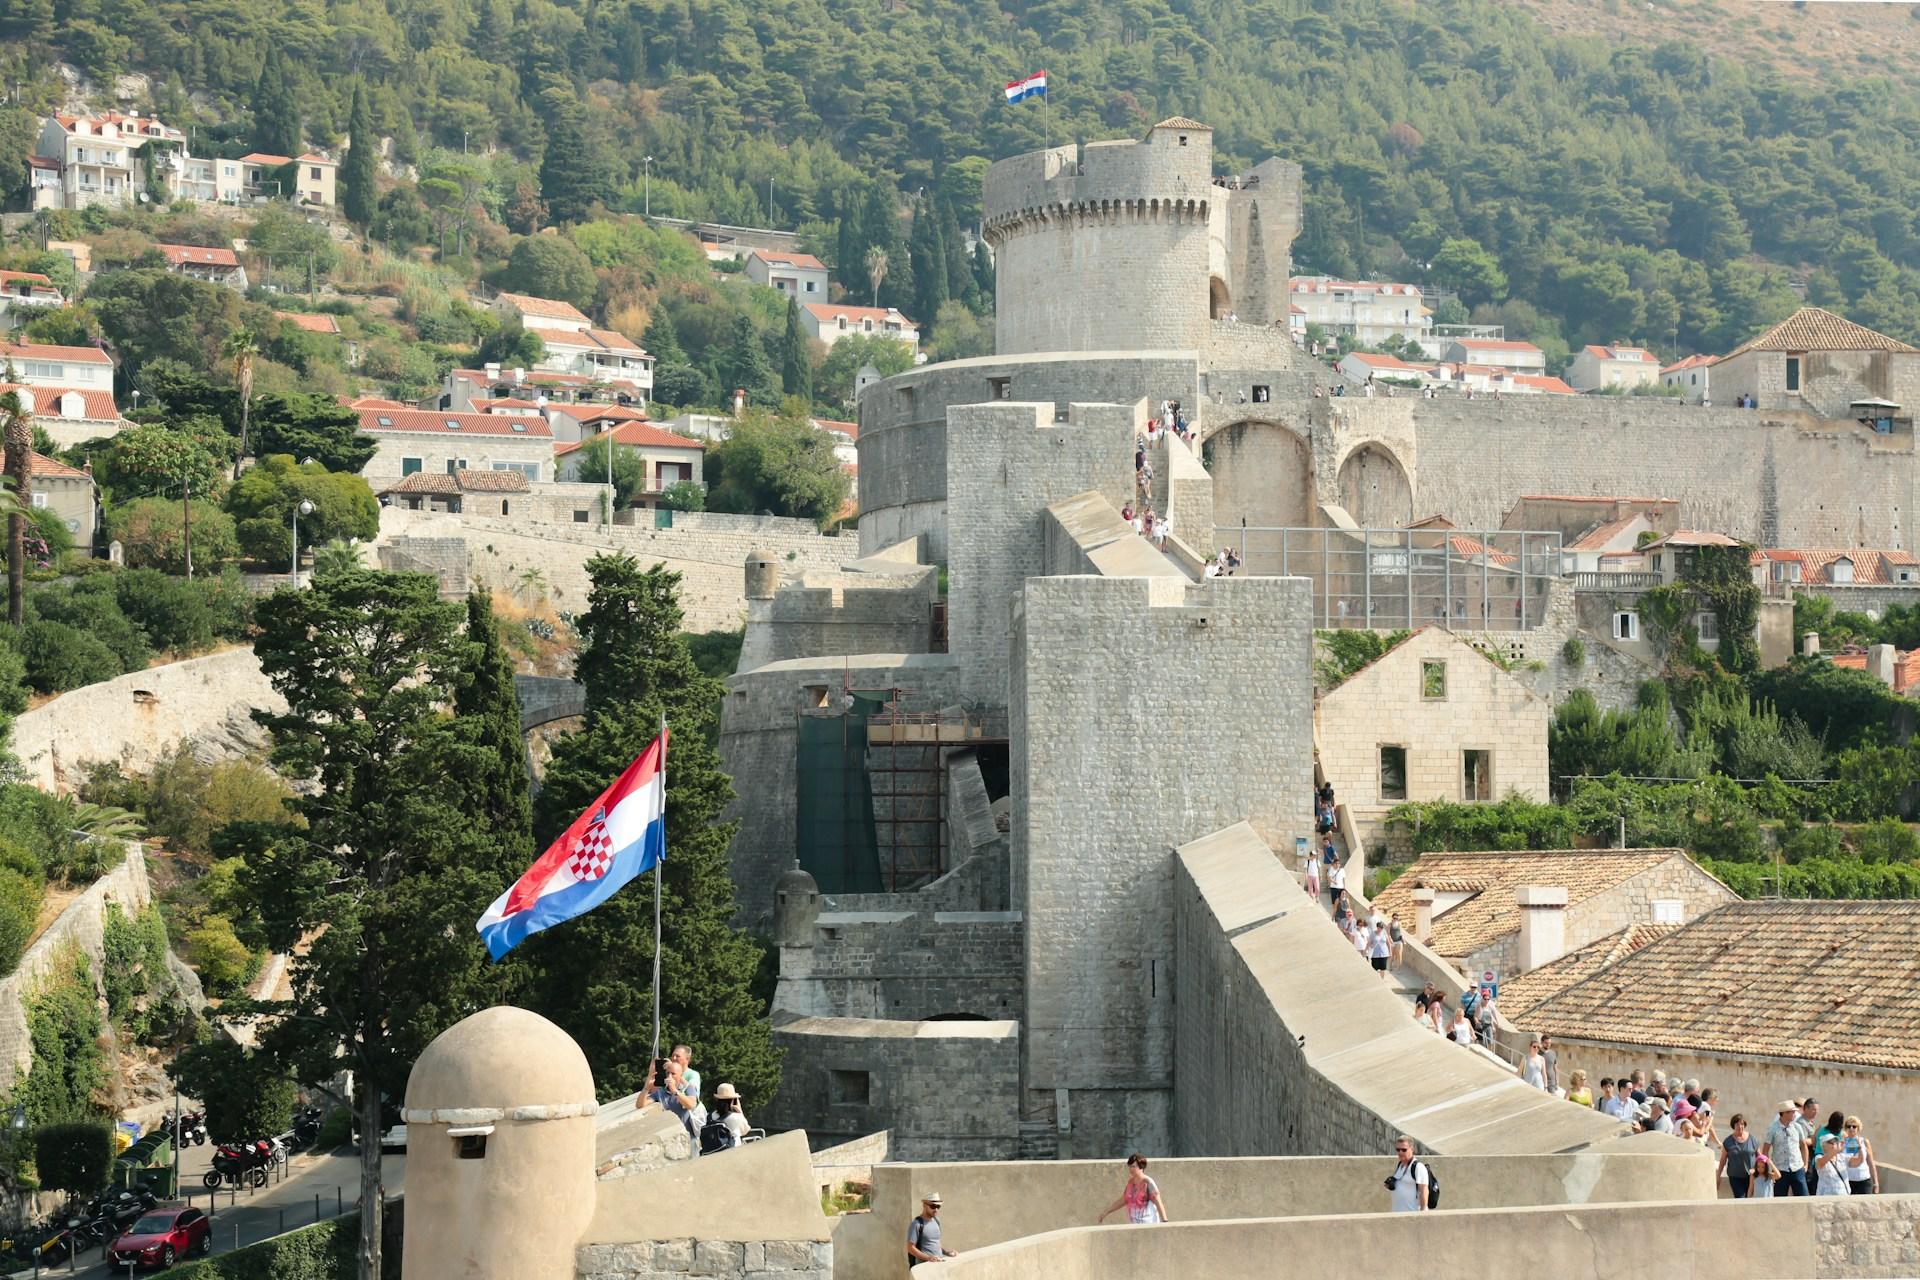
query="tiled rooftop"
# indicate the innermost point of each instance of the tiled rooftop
(1491, 877)
(1822, 981)
(1521, 994)
(1812, 329)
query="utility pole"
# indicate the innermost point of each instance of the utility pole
(186, 521)
(646, 188)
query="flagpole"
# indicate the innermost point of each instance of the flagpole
(659, 869)
(1046, 109)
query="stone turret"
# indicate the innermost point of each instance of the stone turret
(763, 574)
(796, 906)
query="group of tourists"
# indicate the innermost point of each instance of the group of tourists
(675, 1085)
(1472, 1019)
(1170, 418)
(1225, 561)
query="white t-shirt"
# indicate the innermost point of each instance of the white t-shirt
(1360, 940)
(1378, 946)
(1462, 1030)
(1337, 876)
(1406, 1199)
(737, 1126)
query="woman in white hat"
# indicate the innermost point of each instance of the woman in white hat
(726, 1103)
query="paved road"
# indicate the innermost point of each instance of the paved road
(315, 1184)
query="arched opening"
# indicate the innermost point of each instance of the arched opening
(1375, 489)
(1263, 475)
(1219, 302)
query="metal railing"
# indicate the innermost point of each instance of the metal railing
(1588, 580)
(1461, 579)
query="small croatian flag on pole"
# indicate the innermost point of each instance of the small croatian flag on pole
(1034, 86)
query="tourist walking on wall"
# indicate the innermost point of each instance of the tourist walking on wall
(1460, 1029)
(1535, 1070)
(1787, 1147)
(1313, 877)
(1579, 1094)
(1552, 1061)
(1140, 1197)
(1856, 1160)
(1336, 876)
(1410, 1179)
(1380, 947)
(1739, 1154)
(923, 1235)
(1829, 1181)
(1396, 937)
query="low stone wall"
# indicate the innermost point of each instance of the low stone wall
(82, 925)
(907, 964)
(1724, 1240)
(137, 718)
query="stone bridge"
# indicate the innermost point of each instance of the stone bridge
(544, 699)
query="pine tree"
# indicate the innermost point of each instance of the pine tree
(636, 667)
(796, 364)
(746, 367)
(662, 340)
(276, 111)
(929, 264)
(576, 172)
(499, 800)
(358, 189)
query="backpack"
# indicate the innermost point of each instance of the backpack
(1433, 1182)
(714, 1134)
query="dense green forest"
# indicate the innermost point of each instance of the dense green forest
(1656, 193)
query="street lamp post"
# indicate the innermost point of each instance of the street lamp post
(646, 187)
(305, 508)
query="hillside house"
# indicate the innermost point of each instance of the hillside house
(799, 276)
(89, 160)
(23, 293)
(1521, 357)
(216, 266)
(1366, 311)
(1693, 378)
(490, 493)
(666, 459)
(1822, 363)
(315, 181)
(70, 415)
(39, 364)
(1601, 368)
(411, 441)
(828, 324)
(66, 491)
(574, 346)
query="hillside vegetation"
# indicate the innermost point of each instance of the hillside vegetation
(1577, 187)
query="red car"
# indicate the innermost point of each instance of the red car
(161, 1236)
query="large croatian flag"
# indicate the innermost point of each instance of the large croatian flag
(1034, 86)
(621, 835)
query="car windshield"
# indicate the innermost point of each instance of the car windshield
(152, 1225)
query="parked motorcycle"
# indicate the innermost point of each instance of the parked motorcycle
(306, 1127)
(192, 1129)
(235, 1165)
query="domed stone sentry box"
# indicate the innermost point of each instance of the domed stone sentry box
(796, 907)
(763, 574)
(500, 1150)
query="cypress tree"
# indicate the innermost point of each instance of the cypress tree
(746, 366)
(499, 799)
(576, 171)
(276, 111)
(636, 667)
(959, 266)
(796, 363)
(662, 340)
(358, 194)
(882, 227)
(929, 264)
(983, 274)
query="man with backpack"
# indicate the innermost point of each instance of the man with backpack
(1412, 1184)
(923, 1234)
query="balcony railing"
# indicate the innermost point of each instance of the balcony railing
(1590, 581)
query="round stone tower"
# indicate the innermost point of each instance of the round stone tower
(1106, 250)
(763, 575)
(500, 1150)
(796, 906)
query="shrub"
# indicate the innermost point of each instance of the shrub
(223, 961)
(63, 1024)
(91, 607)
(20, 899)
(151, 533)
(189, 800)
(172, 612)
(1574, 652)
(133, 960)
(59, 657)
(324, 1251)
(244, 1095)
(75, 1156)
(684, 495)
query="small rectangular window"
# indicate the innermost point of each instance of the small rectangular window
(815, 695)
(1433, 680)
(848, 1088)
(471, 1146)
(1793, 373)
(999, 388)
(1626, 625)
(1393, 773)
(1669, 911)
(1476, 775)
(1261, 393)
(409, 466)
(39, 500)
(580, 517)
(1706, 625)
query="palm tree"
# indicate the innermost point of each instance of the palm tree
(16, 429)
(876, 270)
(241, 347)
(334, 558)
(102, 821)
(533, 583)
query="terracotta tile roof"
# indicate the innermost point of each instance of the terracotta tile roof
(1692, 538)
(440, 484)
(1813, 329)
(488, 406)
(1870, 567)
(802, 261)
(440, 422)
(635, 435)
(587, 339)
(1494, 344)
(600, 412)
(42, 351)
(1587, 497)
(829, 311)
(1327, 284)
(265, 157)
(138, 124)
(372, 402)
(1906, 667)
(1490, 914)
(1545, 385)
(543, 378)
(1373, 361)
(182, 255)
(1638, 355)
(99, 401)
(311, 323)
(1691, 362)
(40, 466)
(1597, 538)
(544, 308)
(1183, 122)
(851, 430)
(1518, 995)
(33, 278)
(1821, 982)
(614, 340)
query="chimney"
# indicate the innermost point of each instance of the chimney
(1423, 915)
(739, 401)
(519, 376)
(1543, 924)
(1810, 646)
(1881, 661)
(491, 370)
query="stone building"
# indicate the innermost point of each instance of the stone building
(1824, 363)
(1514, 912)
(1433, 718)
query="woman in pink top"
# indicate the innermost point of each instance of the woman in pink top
(1140, 1197)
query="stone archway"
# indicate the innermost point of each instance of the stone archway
(1375, 489)
(1219, 301)
(1263, 474)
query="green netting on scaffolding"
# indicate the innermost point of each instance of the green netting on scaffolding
(834, 832)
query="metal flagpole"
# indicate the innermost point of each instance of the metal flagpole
(659, 869)
(1046, 110)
